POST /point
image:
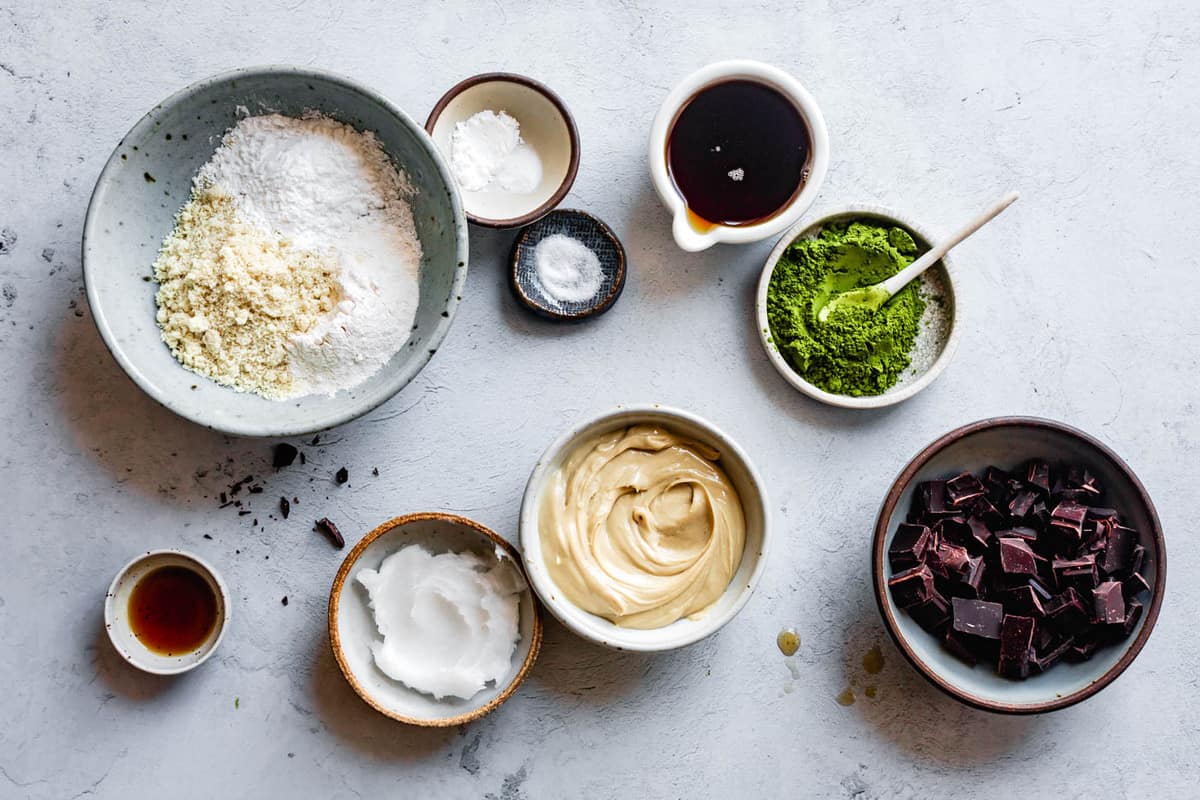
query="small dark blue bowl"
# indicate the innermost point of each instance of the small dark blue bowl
(590, 231)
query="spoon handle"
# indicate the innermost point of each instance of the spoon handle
(902, 278)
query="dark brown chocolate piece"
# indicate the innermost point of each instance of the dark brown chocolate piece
(1119, 542)
(912, 586)
(1133, 613)
(962, 489)
(932, 614)
(283, 454)
(1109, 603)
(908, 546)
(977, 617)
(285, 507)
(970, 579)
(1067, 519)
(957, 646)
(1016, 558)
(952, 559)
(1023, 600)
(342, 476)
(1037, 475)
(1016, 641)
(330, 530)
(1067, 612)
(1021, 504)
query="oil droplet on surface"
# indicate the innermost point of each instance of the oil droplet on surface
(846, 698)
(871, 692)
(788, 641)
(873, 660)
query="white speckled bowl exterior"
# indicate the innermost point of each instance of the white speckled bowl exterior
(755, 505)
(116, 613)
(907, 386)
(352, 624)
(1007, 443)
(149, 177)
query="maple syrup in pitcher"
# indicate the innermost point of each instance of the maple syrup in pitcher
(738, 152)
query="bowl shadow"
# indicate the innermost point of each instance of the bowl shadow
(121, 677)
(346, 715)
(908, 711)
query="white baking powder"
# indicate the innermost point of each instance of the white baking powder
(324, 187)
(567, 270)
(487, 152)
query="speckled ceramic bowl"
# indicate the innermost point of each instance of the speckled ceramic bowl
(352, 626)
(746, 481)
(147, 180)
(940, 336)
(1007, 442)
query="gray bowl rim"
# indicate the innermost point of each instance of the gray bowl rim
(879, 573)
(398, 380)
(806, 228)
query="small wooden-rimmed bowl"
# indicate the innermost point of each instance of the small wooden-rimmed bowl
(546, 126)
(352, 625)
(584, 227)
(1007, 442)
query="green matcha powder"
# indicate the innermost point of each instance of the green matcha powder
(855, 351)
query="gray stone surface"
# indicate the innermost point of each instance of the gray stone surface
(1080, 304)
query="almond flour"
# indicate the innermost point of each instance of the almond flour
(294, 268)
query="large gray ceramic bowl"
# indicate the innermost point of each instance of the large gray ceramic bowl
(1009, 442)
(149, 177)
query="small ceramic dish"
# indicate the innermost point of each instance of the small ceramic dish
(352, 624)
(1008, 442)
(687, 235)
(546, 126)
(746, 481)
(147, 180)
(940, 328)
(116, 613)
(594, 234)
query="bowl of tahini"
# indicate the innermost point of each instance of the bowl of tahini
(150, 178)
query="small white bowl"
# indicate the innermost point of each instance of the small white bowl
(686, 236)
(938, 280)
(352, 624)
(116, 613)
(546, 126)
(750, 489)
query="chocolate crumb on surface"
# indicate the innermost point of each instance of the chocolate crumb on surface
(285, 599)
(285, 507)
(283, 455)
(342, 475)
(326, 527)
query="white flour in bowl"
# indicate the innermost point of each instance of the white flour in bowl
(329, 195)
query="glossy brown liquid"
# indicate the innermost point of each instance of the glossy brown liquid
(738, 152)
(172, 610)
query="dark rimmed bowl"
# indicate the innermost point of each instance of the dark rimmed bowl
(589, 230)
(1007, 442)
(546, 125)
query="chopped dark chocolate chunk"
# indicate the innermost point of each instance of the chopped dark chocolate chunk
(1119, 542)
(1109, 603)
(1023, 600)
(1016, 641)
(1021, 504)
(285, 599)
(1066, 611)
(962, 489)
(970, 579)
(908, 546)
(342, 475)
(283, 455)
(932, 614)
(1016, 558)
(330, 530)
(1037, 475)
(912, 586)
(1018, 570)
(285, 507)
(977, 617)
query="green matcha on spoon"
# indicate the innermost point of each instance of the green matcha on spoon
(874, 296)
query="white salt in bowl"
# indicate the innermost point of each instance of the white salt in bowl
(546, 126)
(939, 336)
(149, 178)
